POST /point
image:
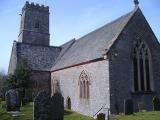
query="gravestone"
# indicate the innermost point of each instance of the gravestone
(57, 107)
(48, 108)
(128, 107)
(141, 106)
(42, 106)
(156, 104)
(101, 116)
(12, 100)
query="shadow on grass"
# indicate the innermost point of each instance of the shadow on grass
(67, 112)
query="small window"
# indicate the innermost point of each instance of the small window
(37, 24)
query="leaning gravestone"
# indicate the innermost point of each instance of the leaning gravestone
(42, 106)
(128, 107)
(101, 116)
(156, 104)
(57, 107)
(12, 100)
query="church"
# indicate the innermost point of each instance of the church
(99, 71)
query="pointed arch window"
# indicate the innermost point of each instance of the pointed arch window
(84, 85)
(142, 67)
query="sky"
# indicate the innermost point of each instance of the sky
(70, 19)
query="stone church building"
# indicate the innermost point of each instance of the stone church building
(116, 62)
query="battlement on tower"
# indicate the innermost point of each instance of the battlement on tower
(33, 6)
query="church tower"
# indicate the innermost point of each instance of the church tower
(34, 28)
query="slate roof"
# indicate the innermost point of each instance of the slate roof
(38, 57)
(93, 45)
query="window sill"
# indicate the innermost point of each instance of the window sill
(143, 92)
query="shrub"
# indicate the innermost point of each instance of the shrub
(156, 104)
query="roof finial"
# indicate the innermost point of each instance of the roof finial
(136, 2)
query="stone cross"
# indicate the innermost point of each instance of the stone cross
(136, 2)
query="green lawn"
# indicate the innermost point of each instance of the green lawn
(69, 115)
(139, 116)
(28, 109)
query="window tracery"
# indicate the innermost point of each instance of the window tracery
(84, 85)
(141, 65)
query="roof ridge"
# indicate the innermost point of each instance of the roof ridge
(118, 34)
(107, 24)
(60, 56)
(68, 42)
(98, 39)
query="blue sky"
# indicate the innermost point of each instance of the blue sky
(70, 19)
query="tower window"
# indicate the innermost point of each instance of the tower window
(37, 24)
(141, 66)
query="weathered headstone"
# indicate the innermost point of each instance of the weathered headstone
(156, 104)
(141, 106)
(12, 100)
(128, 107)
(57, 107)
(48, 108)
(42, 106)
(101, 116)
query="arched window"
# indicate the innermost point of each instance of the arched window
(141, 65)
(37, 24)
(68, 103)
(84, 85)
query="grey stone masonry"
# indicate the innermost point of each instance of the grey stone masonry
(34, 28)
(121, 65)
(38, 57)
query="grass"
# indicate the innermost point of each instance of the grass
(139, 116)
(28, 110)
(69, 115)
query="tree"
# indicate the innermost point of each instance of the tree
(20, 79)
(22, 74)
(3, 78)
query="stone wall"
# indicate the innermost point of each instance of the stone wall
(99, 87)
(13, 59)
(121, 65)
(38, 57)
(41, 81)
(34, 28)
